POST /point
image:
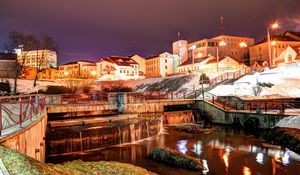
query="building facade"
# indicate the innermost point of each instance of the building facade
(260, 51)
(38, 58)
(8, 63)
(162, 65)
(50, 73)
(79, 69)
(235, 47)
(290, 55)
(117, 68)
(142, 64)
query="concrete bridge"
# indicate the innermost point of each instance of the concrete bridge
(23, 121)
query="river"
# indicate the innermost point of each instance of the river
(225, 151)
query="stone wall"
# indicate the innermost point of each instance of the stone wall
(30, 140)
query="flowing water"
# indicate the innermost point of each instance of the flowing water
(225, 151)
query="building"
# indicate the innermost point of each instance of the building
(290, 55)
(221, 46)
(28, 73)
(162, 65)
(78, 69)
(210, 65)
(142, 64)
(117, 68)
(34, 58)
(50, 73)
(260, 51)
(8, 65)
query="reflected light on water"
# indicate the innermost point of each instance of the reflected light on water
(285, 159)
(260, 158)
(198, 148)
(225, 158)
(277, 156)
(181, 145)
(205, 165)
(246, 171)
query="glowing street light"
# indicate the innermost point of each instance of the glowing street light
(243, 44)
(93, 73)
(273, 26)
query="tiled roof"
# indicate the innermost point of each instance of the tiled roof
(119, 60)
(8, 56)
(196, 60)
(76, 62)
(277, 38)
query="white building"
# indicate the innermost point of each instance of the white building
(117, 68)
(34, 58)
(162, 65)
(290, 55)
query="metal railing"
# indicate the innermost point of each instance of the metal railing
(229, 75)
(63, 99)
(14, 111)
(258, 105)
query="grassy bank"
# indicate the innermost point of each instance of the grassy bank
(175, 159)
(18, 164)
(287, 137)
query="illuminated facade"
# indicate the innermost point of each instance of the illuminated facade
(50, 73)
(46, 58)
(211, 47)
(117, 68)
(290, 55)
(78, 69)
(142, 63)
(162, 65)
(260, 51)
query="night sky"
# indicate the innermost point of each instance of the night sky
(91, 29)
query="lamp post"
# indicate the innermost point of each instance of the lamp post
(220, 44)
(243, 45)
(273, 26)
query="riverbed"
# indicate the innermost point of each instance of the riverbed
(224, 151)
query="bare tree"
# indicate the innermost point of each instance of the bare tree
(25, 43)
(45, 44)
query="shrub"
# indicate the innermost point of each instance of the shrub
(5, 87)
(175, 158)
(56, 90)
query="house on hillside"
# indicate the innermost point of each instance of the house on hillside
(290, 55)
(161, 65)
(142, 63)
(78, 69)
(117, 68)
(210, 64)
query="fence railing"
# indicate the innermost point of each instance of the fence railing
(60, 99)
(256, 105)
(229, 75)
(14, 111)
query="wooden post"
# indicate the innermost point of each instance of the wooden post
(0, 119)
(21, 111)
(266, 106)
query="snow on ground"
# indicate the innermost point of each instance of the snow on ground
(286, 80)
(26, 86)
(289, 122)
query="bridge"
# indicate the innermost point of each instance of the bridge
(23, 121)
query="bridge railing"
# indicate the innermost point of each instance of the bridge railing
(229, 75)
(255, 104)
(16, 110)
(80, 98)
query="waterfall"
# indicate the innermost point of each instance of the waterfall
(132, 132)
(148, 133)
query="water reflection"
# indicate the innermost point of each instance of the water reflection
(181, 145)
(205, 165)
(285, 159)
(260, 158)
(198, 148)
(246, 171)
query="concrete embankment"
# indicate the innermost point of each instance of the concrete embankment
(287, 137)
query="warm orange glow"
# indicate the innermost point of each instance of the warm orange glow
(275, 25)
(93, 73)
(243, 44)
(222, 43)
(199, 55)
(246, 171)
(273, 43)
(66, 73)
(225, 158)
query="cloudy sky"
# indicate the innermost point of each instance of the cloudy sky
(91, 29)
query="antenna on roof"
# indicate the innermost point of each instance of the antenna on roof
(222, 24)
(178, 35)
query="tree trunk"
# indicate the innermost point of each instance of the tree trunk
(36, 77)
(15, 85)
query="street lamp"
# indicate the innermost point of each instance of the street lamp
(220, 44)
(273, 26)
